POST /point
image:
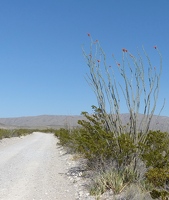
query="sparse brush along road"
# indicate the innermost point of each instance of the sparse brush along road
(31, 168)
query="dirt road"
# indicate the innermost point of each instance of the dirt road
(31, 168)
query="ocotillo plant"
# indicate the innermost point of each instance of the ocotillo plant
(140, 89)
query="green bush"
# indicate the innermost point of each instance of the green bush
(155, 154)
(64, 136)
(126, 149)
(5, 133)
(97, 143)
(159, 177)
(21, 132)
(155, 150)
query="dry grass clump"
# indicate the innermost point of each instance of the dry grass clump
(134, 192)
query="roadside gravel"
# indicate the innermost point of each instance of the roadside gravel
(34, 168)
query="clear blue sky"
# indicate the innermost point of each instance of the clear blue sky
(42, 68)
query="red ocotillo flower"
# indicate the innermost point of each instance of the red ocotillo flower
(88, 34)
(155, 47)
(124, 50)
(98, 61)
(118, 64)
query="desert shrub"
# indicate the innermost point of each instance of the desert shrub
(5, 133)
(64, 136)
(99, 146)
(84, 142)
(96, 147)
(98, 143)
(48, 130)
(159, 177)
(126, 149)
(155, 150)
(21, 132)
(155, 154)
(162, 195)
(94, 141)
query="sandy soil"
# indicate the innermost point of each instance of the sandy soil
(31, 168)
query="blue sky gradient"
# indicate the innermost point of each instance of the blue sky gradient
(42, 68)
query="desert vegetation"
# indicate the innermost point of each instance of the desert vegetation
(129, 159)
(8, 133)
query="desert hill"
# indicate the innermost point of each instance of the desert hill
(63, 121)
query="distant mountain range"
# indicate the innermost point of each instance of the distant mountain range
(63, 121)
(41, 121)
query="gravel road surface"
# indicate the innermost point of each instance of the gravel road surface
(31, 168)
